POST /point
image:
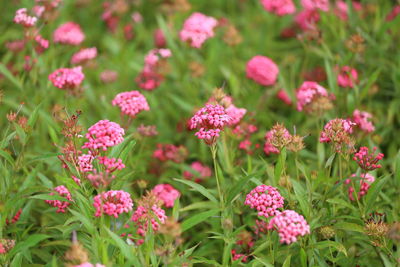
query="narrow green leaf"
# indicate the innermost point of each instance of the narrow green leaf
(10, 76)
(31, 241)
(328, 243)
(198, 218)
(286, 263)
(199, 188)
(373, 193)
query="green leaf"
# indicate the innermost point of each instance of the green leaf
(303, 258)
(328, 243)
(31, 241)
(286, 263)
(198, 218)
(199, 188)
(33, 117)
(48, 197)
(7, 157)
(341, 202)
(330, 160)
(86, 222)
(10, 76)
(238, 187)
(280, 165)
(301, 197)
(349, 227)
(373, 193)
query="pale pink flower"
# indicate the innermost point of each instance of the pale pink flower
(394, 13)
(166, 152)
(308, 92)
(22, 17)
(149, 80)
(290, 225)
(275, 139)
(131, 103)
(307, 19)
(316, 4)
(108, 76)
(154, 56)
(84, 55)
(210, 120)
(200, 172)
(112, 203)
(69, 33)
(337, 131)
(282, 95)
(279, 7)
(235, 113)
(342, 10)
(262, 70)
(362, 119)
(42, 44)
(59, 204)
(111, 164)
(347, 77)
(104, 134)
(166, 193)
(38, 10)
(85, 163)
(197, 29)
(265, 199)
(66, 78)
(143, 216)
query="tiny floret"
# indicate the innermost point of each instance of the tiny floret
(265, 199)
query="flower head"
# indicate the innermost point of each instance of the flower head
(338, 132)
(210, 120)
(262, 70)
(104, 134)
(197, 29)
(361, 119)
(365, 182)
(307, 19)
(289, 225)
(67, 79)
(84, 55)
(235, 113)
(265, 199)
(22, 17)
(131, 103)
(166, 193)
(69, 33)
(85, 163)
(312, 97)
(347, 77)
(368, 161)
(316, 4)
(61, 205)
(165, 152)
(112, 203)
(200, 172)
(279, 7)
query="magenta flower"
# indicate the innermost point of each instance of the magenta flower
(338, 132)
(347, 77)
(316, 4)
(159, 38)
(279, 7)
(289, 225)
(166, 193)
(67, 79)
(85, 163)
(149, 80)
(368, 161)
(143, 216)
(42, 44)
(111, 164)
(104, 134)
(84, 55)
(199, 173)
(69, 33)
(131, 103)
(112, 203)
(22, 17)
(365, 182)
(361, 118)
(265, 199)
(210, 120)
(262, 70)
(282, 95)
(307, 19)
(309, 92)
(197, 29)
(60, 205)
(235, 113)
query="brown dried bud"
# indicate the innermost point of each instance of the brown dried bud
(296, 143)
(76, 254)
(197, 69)
(326, 232)
(394, 232)
(171, 228)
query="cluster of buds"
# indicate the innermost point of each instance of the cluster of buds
(279, 137)
(313, 98)
(169, 152)
(147, 130)
(338, 133)
(61, 206)
(199, 172)
(244, 243)
(15, 218)
(6, 245)
(365, 182)
(376, 229)
(356, 44)
(265, 199)
(368, 161)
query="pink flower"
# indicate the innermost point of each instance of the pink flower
(368, 161)
(69, 33)
(159, 38)
(200, 172)
(166, 193)
(307, 19)
(104, 134)
(365, 182)
(235, 113)
(316, 4)
(66, 78)
(131, 103)
(210, 120)
(275, 139)
(361, 118)
(22, 17)
(262, 70)
(42, 44)
(112, 203)
(85, 163)
(88, 264)
(308, 92)
(197, 29)
(394, 13)
(265, 199)
(289, 225)
(153, 57)
(282, 95)
(149, 80)
(61, 205)
(279, 7)
(165, 152)
(84, 55)
(111, 164)
(347, 77)
(143, 216)
(337, 131)
(342, 10)
(108, 76)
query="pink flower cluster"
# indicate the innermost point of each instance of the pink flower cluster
(342, 9)
(69, 33)
(315, 4)
(210, 120)
(150, 77)
(262, 70)
(166, 193)
(85, 162)
(200, 172)
(22, 17)
(112, 203)
(131, 103)
(104, 134)
(265, 199)
(111, 164)
(166, 152)
(338, 132)
(42, 44)
(289, 225)
(361, 119)
(307, 19)
(154, 56)
(236, 114)
(143, 216)
(368, 161)
(60, 205)
(347, 77)
(66, 78)
(282, 95)
(197, 29)
(308, 92)
(88, 264)
(84, 55)
(365, 182)
(270, 145)
(279, 7)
